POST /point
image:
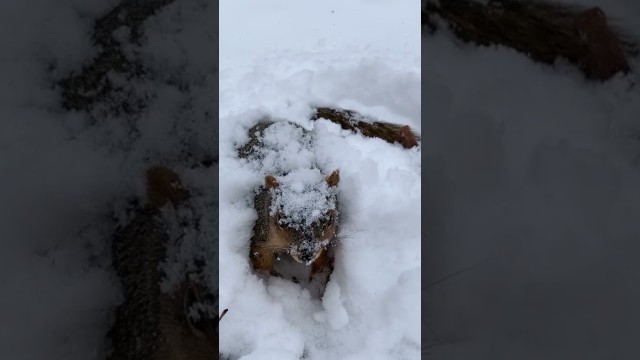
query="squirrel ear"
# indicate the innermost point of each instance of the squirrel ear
(334, 178)
(270, 182)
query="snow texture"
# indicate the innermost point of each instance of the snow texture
(536, 170)
(284, 58)
(303, 197)
(284, 147)
(65, 176)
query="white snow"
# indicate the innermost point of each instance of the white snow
(535, 169)
(62, 174)
(285, 147)
(303, 197)
(278, 60)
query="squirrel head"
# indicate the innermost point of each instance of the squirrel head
(164, 185)
(305, 243)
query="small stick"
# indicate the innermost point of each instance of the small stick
(224, 312)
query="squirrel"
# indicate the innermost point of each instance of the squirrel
(277, 231)
(306, 232)
(151, 324)
(542, 30)
(306, 244)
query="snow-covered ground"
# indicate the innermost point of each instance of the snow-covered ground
(278, 59)
(536, 170)
(63, 174)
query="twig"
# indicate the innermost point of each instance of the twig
(224, 312)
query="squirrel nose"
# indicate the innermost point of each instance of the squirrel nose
(306, 256)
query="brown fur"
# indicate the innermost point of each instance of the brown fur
(542, 30)
(278, 239)
(270, 182)
(150, 324)
(324, 261)
(165, 185)
(334, 178)
(350, 120)
(604, 53)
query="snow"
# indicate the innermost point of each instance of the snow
(535, 170)
(65, 173)
(303, 197)
(285, 147)
(529, 166)
(279, 61)
(68, 176)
